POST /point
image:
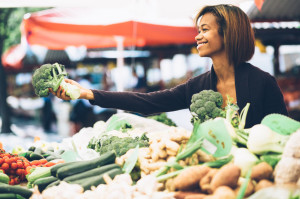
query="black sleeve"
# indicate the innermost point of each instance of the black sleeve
(273, 100)
(144, 103)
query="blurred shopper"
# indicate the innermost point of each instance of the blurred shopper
(48, 117)
(82, 114)
(225, 35)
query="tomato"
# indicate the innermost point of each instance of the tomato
(14, 165)
(20, 165)
(5, 166)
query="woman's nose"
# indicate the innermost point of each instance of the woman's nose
(198, 36)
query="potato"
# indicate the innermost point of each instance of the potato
(228, 175)
(262, 171)
(190, 177)
(250, 187)
(263, 184)
(204, 183)
(222, 192)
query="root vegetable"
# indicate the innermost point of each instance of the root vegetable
(204, 183)
(190, 177)
(262, 171)
(162, 154)
(196, 196)
(228, 175)
(263, 184)
(188, 195)
(250, 187)
(171, 145)
(204, 157)
(171, 152)
(222, 192)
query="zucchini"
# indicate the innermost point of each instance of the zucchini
(92, 172)
(8, 196)
(55, 183)
(35, 156)
(42, 183)
(54, 168)
(96, 180)
(82, 166)
(26, 193)
(32, 148)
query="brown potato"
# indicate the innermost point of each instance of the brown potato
(228, 175)
(263, 184)
(205, 181)
(262, 171)
(190, 177)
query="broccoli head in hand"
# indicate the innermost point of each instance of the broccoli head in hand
(52, 76)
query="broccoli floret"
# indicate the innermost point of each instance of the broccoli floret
(120, 145)
(52, 76)
(163, 118)
(206, 105)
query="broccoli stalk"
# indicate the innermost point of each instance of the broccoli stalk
(52, 76)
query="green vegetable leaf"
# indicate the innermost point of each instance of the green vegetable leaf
(131, 161)
(243, 188)
(217, 140)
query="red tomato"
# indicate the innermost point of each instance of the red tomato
(5, 166)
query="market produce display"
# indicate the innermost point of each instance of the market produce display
(129, 156)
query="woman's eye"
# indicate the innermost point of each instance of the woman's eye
(204, 30)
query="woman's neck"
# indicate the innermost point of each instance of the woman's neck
(223, 69)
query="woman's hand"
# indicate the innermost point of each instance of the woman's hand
(84, 93)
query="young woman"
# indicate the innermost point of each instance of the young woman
(225, 35)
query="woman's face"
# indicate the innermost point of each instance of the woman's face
(209, 42)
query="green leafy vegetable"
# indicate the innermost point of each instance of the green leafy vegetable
(163, 118)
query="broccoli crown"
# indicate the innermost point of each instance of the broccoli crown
(48, 76)
(117, 144)
(207, 104)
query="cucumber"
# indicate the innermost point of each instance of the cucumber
(42, 183)
(82, 166)
(35, 156)
(92, 172)
(55, 183)
(32, 148)
(54, 168)
(8, 196)
(38, 150)
(26, 193)
(96, 180)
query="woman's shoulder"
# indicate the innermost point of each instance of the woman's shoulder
(256, 72)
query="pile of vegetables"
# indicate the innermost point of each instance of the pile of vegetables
(86, 173)
(52, 76)
(16, 167)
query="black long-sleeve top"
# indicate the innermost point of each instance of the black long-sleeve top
(253, 85)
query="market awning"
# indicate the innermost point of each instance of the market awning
(61, 27)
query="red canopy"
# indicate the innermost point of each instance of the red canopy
(61, 27)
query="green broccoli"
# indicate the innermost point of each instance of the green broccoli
(117, 144)
(206, 105)
(163, 118)
(52, 76)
